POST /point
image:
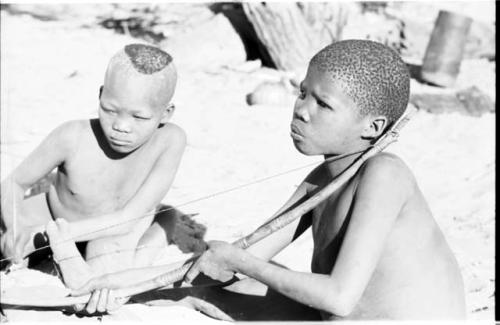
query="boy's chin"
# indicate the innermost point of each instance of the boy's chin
(122, 149)
(304, 149)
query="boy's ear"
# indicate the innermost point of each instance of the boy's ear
(100, 91)
(167, 113)
(375, 127)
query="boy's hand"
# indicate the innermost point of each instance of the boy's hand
(101, 301)
(216, 262)
(102, 298)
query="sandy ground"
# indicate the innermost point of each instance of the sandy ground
(51, 73)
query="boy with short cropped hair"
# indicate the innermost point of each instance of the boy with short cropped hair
(112, 172)
(378, 252)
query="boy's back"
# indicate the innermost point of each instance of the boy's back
(416, 275)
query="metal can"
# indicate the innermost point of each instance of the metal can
(445, 50)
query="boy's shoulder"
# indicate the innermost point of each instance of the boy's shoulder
(170, 134)
(71, 130)
(66, 136)
(387, 170)
(386, 162)
(74, 126)
(383, 165)
(169, 129)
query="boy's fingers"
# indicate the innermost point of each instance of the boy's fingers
(111, 304)
(114, 303)
(103, 301)
(92, 304)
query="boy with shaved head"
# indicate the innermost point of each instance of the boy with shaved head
(378, 252)
(111, 174)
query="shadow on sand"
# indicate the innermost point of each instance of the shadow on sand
(243, 300)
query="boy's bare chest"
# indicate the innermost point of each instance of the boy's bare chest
(95, 180)
(329, 224)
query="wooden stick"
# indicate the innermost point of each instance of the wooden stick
(286, 218)
(279, 222)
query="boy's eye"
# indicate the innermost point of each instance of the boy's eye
(144, 118)
(107, 110)
(322, 104)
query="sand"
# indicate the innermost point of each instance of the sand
(51, 73)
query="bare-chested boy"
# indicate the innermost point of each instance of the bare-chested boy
(378, 252)
(111, 174)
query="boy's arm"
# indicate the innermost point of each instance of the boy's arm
(125, 278)
(49, 154)
(265, 249)
(150, 193)
(270, 246)
(155, 188)
(382, 191)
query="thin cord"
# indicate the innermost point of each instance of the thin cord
(334, 158)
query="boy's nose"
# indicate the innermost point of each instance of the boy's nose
(121, 125)
(301, 112)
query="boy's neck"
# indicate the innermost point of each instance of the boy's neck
(103, 144)
(336, 164)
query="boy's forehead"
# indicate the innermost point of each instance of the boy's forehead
(329, 71)
(134, 88)
(127, 81)
(330, 84)
(325, 78)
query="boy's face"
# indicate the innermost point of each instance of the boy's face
(325, 120)
(129, 111)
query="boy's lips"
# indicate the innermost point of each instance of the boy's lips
(119, 142)
(295, 132)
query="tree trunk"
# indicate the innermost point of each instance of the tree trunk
(294, 32)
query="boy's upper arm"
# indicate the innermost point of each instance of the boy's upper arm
(384, 186)
(160, 178)
(273, 244)
(50, 153)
